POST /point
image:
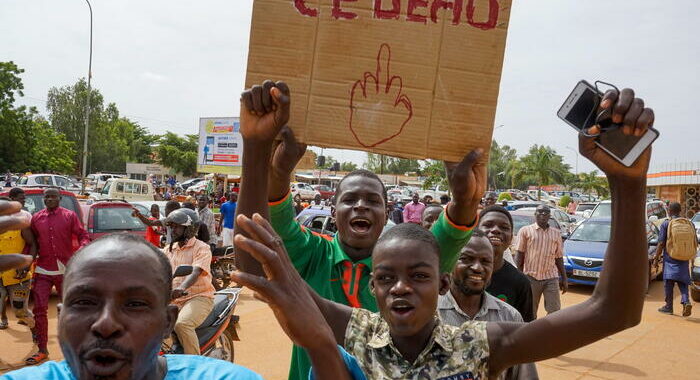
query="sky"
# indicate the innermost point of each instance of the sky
(168, 63)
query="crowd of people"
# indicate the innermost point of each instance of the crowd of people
(439, 295)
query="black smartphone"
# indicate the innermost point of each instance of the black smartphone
(580, 110)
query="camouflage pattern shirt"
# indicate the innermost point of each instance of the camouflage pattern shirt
(453, 353)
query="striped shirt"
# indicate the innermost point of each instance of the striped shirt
(197, 254)
(206, 217)
(541, 248)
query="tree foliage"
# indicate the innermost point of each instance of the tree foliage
(501, 158)
(178, 153)
(435, 175)
(391, 165)
(543, 165)
(590, 182)
(348, 166)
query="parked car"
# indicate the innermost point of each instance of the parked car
(695, 277)
(326, 191)
(125, 189)
(48, 180)
(583, 207)
(303, 191)
(436, 192)
(99, 180)
(584, 251)
(400, 194)
(696, 222)
(516, 205)
(190, 182)
(656, 211)
(107, 216)
(575, 196)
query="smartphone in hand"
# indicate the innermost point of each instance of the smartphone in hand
(580, 110)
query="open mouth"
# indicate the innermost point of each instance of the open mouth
(104, 362)
(402, 308)
(475, 278)
(495, 240)
(360, 225)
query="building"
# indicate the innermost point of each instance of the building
(141, 171)
(677, 182)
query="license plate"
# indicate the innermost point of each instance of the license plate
(586, 273)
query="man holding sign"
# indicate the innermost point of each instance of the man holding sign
(336, 268)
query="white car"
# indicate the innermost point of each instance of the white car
(583, 207)
(99, 180)
(302, 191)
(436, 193)
(656, 211)
(47, 180)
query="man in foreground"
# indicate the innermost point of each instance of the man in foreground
(507, 283)
(114, 329)
(54, 228)
(467, 299)
(541, 257)
(405, 340)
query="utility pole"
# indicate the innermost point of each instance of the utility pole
(87, 108)
(575, 151)
(381, 165)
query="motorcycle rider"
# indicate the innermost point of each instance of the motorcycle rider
(194, 294)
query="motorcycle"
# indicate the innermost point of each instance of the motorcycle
(218, 331)
(223, 263)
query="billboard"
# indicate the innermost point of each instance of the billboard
(220, 145)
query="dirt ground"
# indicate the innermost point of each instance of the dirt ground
(662, 346)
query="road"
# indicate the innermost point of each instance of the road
(661, 347)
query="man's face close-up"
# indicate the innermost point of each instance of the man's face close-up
(202, 202)
(114, 329)
(416, 198)
(407, 282)
(542, 216)
(490, 200)
(20, 197)
(430, 215)
(474, 267)
(498, 230)
(360, 211)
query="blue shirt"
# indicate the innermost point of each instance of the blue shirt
(228, 211)
(180, 367)
(675, 270)
(351, 364)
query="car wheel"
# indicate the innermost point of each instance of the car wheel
(297, 198)
(695, 295)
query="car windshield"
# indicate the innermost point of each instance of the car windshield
(520, 221)
(109, 219)
(23, 181)
(584, 207)
(603, 210)
(35, 202)
(696, 218)
(592, 231)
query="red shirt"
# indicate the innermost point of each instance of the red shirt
(151, 234)
(54, 231)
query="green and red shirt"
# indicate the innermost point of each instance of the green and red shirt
(322, 263)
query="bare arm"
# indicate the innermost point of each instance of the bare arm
(146, 221)
(520, 259)
(29, 240)
(563, 282)
(617, 300)
(300, 316)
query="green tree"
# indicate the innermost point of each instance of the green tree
(384, 164)
(543, 164)
(435, 175)
(178, 153)
(348, 166)
(27, 142)
(327, 164)
(589, 182)
(500, 159)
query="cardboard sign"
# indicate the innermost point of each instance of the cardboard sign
(409, 78)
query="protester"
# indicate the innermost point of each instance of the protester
(507, 283)
(104, 338)
(170, 206)
(675, 272)
(468, 300)
(571, 208)
(427, 200)
(16, 282)
(206, 216)
(540, 257)
(54, 228)
(431, 213)
(8, 179)
(318, 201)
(395, 212)
(360, 208)
(490, 199)
(405, 340)
(194, 294)
(228, 212)
(413, 211)
(153, 233)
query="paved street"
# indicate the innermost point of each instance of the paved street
(661, 346)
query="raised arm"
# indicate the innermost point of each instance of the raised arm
(264, 111)
(146, 221)
(616, 303)
(290, 298)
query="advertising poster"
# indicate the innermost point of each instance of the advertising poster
(220, 145)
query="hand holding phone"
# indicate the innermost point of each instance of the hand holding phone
(636, 121)
(619, 121)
